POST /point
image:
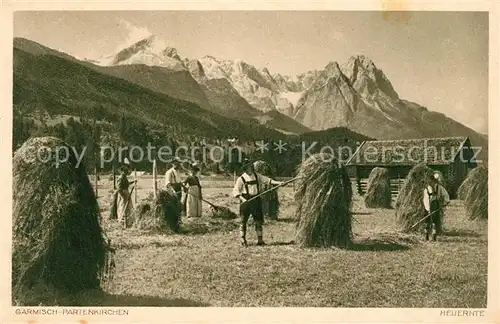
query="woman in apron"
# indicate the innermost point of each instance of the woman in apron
(193, 196)
(124, 201)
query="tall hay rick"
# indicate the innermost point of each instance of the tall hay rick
(57, 237)
(323, 195)
(378, 194)
(409, 204)
(474, 192)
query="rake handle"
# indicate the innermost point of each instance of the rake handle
(131, 191)
(208, 202)
(426, 217)
(271, 189)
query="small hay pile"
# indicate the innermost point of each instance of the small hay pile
(323, 196)
(474, 192)
(409, 205)
(270, 201)
(160, 214)
(222, 212)
(57, 235)
(378, 193)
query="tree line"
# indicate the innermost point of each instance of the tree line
(80, 132)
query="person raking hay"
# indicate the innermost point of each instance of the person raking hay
(435, 199)
(248, 186)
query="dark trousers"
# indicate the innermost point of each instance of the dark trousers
(254, 209)
(433, 225)
(178, 190)
(178, 193)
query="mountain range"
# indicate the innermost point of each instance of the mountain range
(356, 95)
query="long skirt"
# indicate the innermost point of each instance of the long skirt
(124, 208)
(193, 202)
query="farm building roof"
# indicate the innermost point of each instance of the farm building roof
(432, 151)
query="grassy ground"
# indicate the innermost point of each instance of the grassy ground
(207, 267)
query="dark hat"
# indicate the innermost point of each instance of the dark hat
(247, 162)
(194, 167)
(176, 160)
(433, 177)
(124, 167)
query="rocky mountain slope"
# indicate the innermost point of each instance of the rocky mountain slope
(356, 95)
(359, 96)
(147, 63)
(56, 86)
(262, 90)
(50, 89)
(215, 86)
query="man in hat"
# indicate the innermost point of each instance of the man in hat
(173, 180)
(435, 199)
(247, 186)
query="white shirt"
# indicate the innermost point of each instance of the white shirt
(171, 177)
(442, 196)
(239, 186)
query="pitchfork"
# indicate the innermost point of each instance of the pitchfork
(271, 189)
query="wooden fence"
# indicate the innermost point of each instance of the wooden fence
(396, 184)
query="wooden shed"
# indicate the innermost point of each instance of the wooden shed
(452, 156)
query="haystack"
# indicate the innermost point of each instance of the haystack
(409, 205)
(160, 214)
(378, 193)
(270, 201)
(323, 196)
(474, 192)
(57, 236)
(222, 212)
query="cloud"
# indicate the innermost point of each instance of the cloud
(134, 33)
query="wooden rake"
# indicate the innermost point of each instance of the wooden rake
(420, 221)
(212, 205)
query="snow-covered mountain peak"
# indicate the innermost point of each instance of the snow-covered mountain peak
(151, 51)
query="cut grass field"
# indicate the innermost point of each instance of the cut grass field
(205, 266)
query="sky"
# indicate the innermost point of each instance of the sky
(436, 59)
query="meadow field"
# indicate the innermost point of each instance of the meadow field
(206, 266)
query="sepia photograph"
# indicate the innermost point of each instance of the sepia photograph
(181, 158)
